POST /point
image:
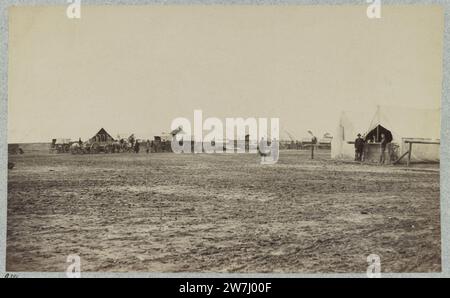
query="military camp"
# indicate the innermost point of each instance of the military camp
(279, 140)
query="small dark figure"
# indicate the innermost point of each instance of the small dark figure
(313, 146)
(359, 148)
(131, 140)
(263, 149)
(136, 146)
(313, 143)
(148, 145)
(80, 142)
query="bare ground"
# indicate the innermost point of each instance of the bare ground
(220, 213)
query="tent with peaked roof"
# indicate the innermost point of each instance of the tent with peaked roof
(399, 124)
(101, 136)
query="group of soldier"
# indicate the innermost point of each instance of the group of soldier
(360, 144)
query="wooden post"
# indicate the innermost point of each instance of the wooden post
(400, 158)
(389, 153)
(363, 157)
(409, 154)
(381, 156)
(312, 151)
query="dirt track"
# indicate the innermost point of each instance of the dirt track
(220, 213)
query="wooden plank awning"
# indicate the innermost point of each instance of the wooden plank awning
(415, 141)
(419, 141)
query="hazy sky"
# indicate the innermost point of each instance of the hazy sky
(135, 68)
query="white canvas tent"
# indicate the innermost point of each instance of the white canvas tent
(404, 124)
(61, 141)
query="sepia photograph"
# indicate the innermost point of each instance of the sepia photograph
(274, 139)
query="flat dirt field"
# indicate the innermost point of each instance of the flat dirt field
(220, 213)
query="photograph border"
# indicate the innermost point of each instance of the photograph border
(444, 148)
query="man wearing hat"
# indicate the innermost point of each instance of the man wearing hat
(359, 148)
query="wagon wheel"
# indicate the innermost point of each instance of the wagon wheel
(108, 149)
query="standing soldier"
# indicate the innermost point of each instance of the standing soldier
(131, 140)
(147, 149)
(359, 148)
(263, 149)
(383, 144)
(136, 146)
(313, 143)
(80, 143)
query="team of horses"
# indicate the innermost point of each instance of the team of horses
(117, 146)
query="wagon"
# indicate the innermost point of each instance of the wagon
(60, 145)
(100, 142)
(14, 149)
(99, 147)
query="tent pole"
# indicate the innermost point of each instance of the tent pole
(378, 123)
(409, 154)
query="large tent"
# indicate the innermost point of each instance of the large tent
(398, 124)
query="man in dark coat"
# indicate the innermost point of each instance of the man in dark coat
(147, 147)
(359, 148)
(136, 146)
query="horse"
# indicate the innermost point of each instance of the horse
(116, 147)
(123, 145)
(76, 148)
